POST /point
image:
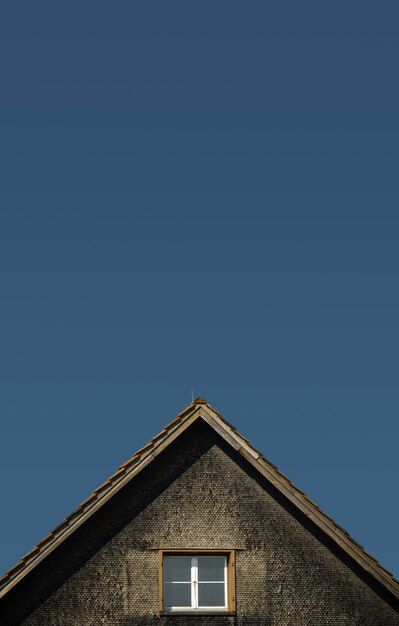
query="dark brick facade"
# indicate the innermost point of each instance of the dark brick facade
(198, 494)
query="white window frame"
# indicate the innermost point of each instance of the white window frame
(194, 584)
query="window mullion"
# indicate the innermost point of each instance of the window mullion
(194, 582)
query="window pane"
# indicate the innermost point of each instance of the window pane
(177, 594)
(211, 568)
(211, 594)
(177, 569)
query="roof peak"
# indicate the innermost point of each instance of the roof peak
(200, 400)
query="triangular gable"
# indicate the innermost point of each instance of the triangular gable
(199, 409)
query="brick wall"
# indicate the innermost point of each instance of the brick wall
(198, 494)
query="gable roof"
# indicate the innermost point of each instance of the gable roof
(199, 409)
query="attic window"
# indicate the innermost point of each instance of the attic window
(200, 582)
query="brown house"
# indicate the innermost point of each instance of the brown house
(198, 528)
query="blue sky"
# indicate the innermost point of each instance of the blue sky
(199, 197)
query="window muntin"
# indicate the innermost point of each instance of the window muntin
(195, 582)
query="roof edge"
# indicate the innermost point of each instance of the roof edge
(335, 532)
(99, 497)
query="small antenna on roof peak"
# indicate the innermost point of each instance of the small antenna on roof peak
(192, 395)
